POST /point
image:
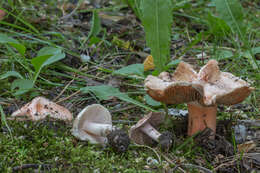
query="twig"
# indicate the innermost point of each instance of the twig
(197, 167)
(66, 98)
(172, 163)
(34, 166)
(123, 109)
(64, 89)
(156, 153)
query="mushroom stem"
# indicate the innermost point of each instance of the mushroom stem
(201, 117)
(151, 132)
(99, 129)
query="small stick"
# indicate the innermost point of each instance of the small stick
(123, 109)
(34, 166)
(66, 98)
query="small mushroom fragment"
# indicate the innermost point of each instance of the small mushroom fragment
(39, 108)
(144, 132)
(94, 124)
(202, 92)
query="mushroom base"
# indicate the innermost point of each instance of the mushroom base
(201, 117)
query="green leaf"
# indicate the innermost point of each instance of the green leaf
(23, 85)
(157, 19)
(105, 92)
(218, 27)
(95, 26)
(14, 43)
(231, 11)
(256, 50)
(134, 69)
(46, 56)
(151, 101)
(223, 54)
(174, 63)
(251, 59)
(11, 73)
(135, 5)
(3, 120)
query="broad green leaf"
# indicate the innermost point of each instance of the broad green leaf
(38, 62)
(223, 54)
(218, 27)
(256, 50)
(46, 56)
(231, 11)
(134, 69)
(151, 101)
(23, 85)
(11, 73)
(14, 43)
(157, 19)
(105, 92)
(174, 63)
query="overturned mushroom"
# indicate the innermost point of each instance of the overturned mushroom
(202, 92)
(39, 108)
(94, 124)
(144, 131)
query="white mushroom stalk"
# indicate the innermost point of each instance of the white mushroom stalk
(144, 132)
(94, 124)
(151, 132)
(99, 129)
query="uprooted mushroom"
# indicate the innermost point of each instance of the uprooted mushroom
(94, 124)
(145, 133)
(202, 91)
(40, 108)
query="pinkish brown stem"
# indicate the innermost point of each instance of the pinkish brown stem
(201, 117)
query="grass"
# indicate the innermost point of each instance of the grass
(38, 24)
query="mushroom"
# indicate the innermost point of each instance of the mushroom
(144, 132)
(202, 92)
(94, 124)
(39, 108)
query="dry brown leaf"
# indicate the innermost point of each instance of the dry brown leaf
(246, 147)
(148, 63)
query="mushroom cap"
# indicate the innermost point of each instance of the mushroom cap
(208, 87)
(39, 108)
(94, 113)
(135, 132)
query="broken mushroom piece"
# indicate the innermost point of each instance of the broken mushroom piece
(94, 124)
(144, 132)
(39, 108)
(202, 92)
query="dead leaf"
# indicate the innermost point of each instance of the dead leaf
(246, 147)
(39, 108)
(148, 63)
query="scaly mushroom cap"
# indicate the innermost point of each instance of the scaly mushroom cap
(135, 132)
(94, 113)
(39, 108)
(208, 87)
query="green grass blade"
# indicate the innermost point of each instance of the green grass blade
(3, 121)
(157, 20)
(231, 11)
(22, 21)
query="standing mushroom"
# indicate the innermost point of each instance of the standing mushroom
(202, 92)
(94, 124)
(144, 132)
